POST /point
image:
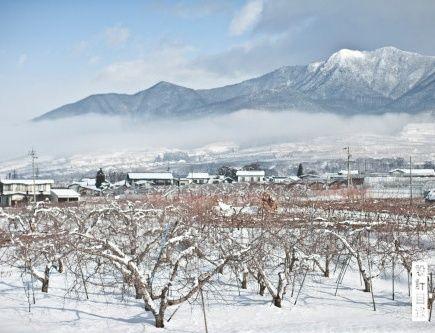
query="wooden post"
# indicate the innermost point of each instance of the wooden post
(84, 281)
(342, 273)
(300, 288)
(203, 311)
(431, 300)
(370, 270)
(409, 287)
(392, 275)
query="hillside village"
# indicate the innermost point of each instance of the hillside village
(397, 183)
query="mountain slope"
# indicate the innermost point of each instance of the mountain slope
(161, 100)
(348, 82)
(105, 104)
(419, 98)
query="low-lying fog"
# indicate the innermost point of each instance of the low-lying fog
(244, 128)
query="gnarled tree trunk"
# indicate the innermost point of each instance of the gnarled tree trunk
(262, 288)
(138, 290)
(60, 266)
(277, 301)
(326, 271)
(245, 280)
(46, 280)
(160, 321)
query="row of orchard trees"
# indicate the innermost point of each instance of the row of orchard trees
(165, 254)
(167, 249)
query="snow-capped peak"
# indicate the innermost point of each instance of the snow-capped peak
(344, 58)
(387, 71)
(388, 53)
(346, 54)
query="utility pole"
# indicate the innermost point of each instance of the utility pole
(349, 177)
(410, 181)
(33, 156)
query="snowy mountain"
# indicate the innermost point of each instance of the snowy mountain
(349, 82)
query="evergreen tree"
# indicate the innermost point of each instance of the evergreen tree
(300, 170)
(252, 166)
(228, 172)
(100, 178)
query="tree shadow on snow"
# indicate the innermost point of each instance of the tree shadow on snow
(141, 318)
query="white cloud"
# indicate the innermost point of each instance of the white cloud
(117, 36)
(22, 59)
(247, 18)
(325, 134)
(168, 61)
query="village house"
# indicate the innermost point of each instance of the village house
(151, 178)
(14, 191)
(413, 172)
(181, 181)
(339, 179)
(284, 179)
(64, 195)
(345, 172)
(86, 186)
(251, 176)
(336, 184)
(198, 177)
(310, 177)
(218, 179)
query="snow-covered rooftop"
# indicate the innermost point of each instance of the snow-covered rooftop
(65, 193)
(198, 175)
(120, 183)
(150, 175)
(85, 182)
(286, 178)
(88, 181)
(415, 172)
(89, 187)
(27, 181)
(254, 173)
(344, 172)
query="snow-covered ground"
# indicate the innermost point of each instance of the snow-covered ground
(233, 310)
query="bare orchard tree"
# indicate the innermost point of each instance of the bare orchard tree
(35, 238)
(173, 257)
(274, 261)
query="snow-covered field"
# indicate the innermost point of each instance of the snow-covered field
(144, 263)
(236, 310)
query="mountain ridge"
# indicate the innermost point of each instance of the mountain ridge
(348, 82)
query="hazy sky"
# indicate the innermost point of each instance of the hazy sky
(56, 52)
